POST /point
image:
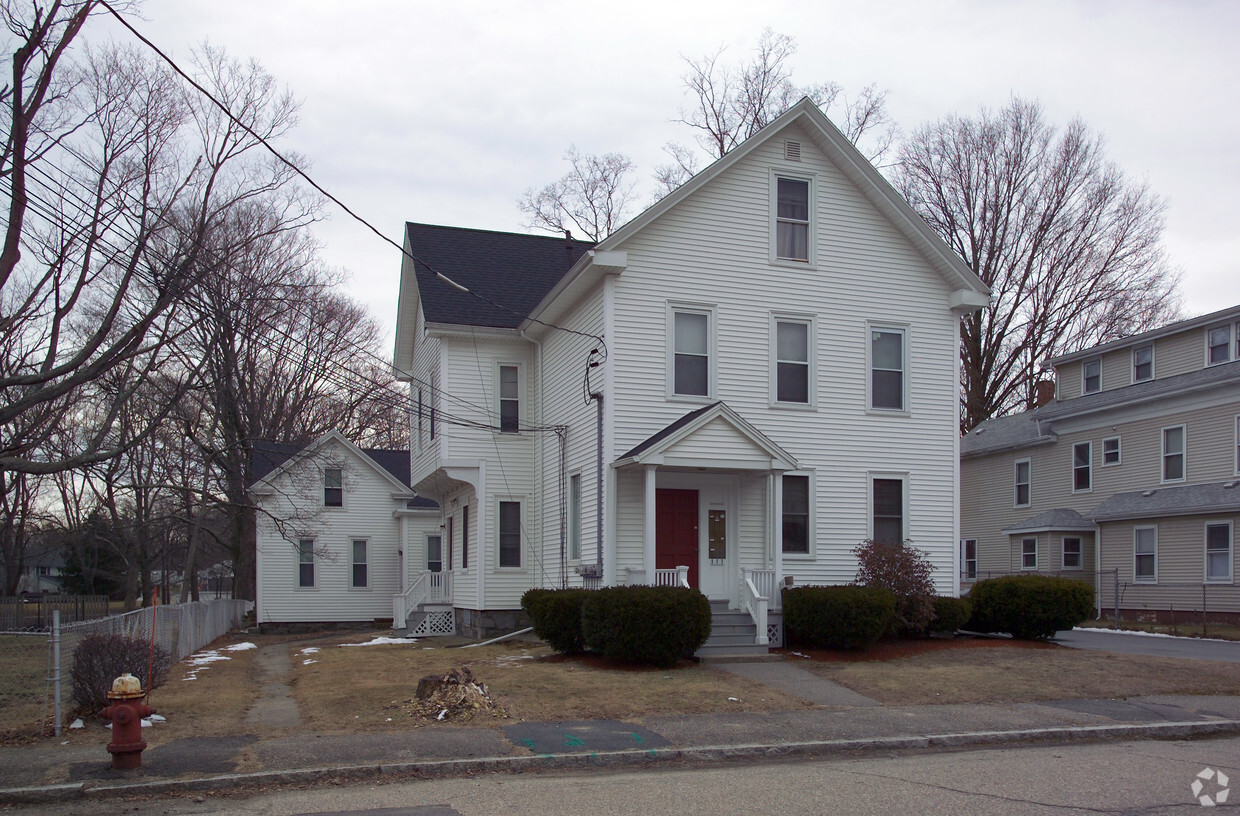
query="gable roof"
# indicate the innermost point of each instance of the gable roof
(512, 269)
(1221, 316)
(652, 449)
(271, 458)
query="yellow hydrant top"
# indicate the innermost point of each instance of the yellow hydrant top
(125, 687)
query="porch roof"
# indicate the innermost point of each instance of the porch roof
(1060, 519)
(1186, 500)
(733, 444)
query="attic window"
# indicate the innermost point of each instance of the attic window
(792, 151)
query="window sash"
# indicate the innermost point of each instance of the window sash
(305, 562)
(1111, 451)
(359, 564)
(509, 534)
(1218, 345)
(1028, 553)
(1082, 465)
(465, 536)
(969, 558)
(574, 517)
(792, 362)
(691, 354)
(888, 511)
(1145, 554)
(792, 220)
(1218, 552)
(333, 487)
(434, 553)
(1071, 553)
(1173, 454)
(1143, 364)
(795, 514)
(887, 369)
(509, 399)
(1092, 374)
(1022, 483)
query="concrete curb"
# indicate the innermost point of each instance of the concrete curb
(612, 759)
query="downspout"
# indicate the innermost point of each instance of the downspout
(597, 396)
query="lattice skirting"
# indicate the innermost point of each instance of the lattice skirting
(435, 624)
(775, 633)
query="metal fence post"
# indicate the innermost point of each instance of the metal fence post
(1203, 610)
(1117, 598)
(56, 671)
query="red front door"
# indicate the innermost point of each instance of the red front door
(676, 531)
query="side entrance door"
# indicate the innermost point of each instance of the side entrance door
(676, 531)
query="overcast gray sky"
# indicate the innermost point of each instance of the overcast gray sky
(445, 113)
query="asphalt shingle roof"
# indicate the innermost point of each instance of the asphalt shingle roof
(1060, 518)
(1012, 431)
(511, 269)
(1186, 500)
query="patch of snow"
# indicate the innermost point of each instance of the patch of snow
(146, 723)
(77, 723)
(158, 718)
(733, 700)
(240, 647)
(309, 650)
(442, 714)
(389, 719)
(1139, 633)
(189, 677)
(308, 662)
(380, 641)
(799, 654)
(203, 658)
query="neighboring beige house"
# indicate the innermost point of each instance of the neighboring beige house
(737, 387)
(1127, 477)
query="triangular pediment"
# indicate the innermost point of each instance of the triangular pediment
(711, 437)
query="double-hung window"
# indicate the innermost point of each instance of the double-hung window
(465, 536)
(1091, 376)
(795, 515)
(1022, 483)
(691, 343)
(1145, 554)
(510, 534)
(509, 399)
(887, 369)
(1143, 363)
(333, 487)
(1082, 467)
(1218, 344)
(434, 553)
(1173, 444)
(574, 517)
(793, 366)
(792, 219)
(1072, 553)
(359, 576)
(305, 563)
(1218, 551)
(968, 559)
(887, 509)
(1028, 553)
(1110, 451)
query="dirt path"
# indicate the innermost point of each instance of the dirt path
(275, 706)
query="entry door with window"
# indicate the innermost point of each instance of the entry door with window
(676, 531)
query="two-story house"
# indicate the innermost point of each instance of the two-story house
(1126, 476)
(737, 387)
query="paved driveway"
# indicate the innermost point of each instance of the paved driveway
(1154, 646)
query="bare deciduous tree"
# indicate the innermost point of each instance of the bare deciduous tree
(733, 102)
(1071, 247)
(593, 197)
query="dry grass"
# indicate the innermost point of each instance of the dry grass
(363, 689)
(990, 671)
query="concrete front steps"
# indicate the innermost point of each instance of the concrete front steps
(732, 637)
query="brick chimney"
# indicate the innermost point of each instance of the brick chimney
(1043, 392)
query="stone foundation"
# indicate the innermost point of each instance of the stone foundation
(314, 627)
(483, 624)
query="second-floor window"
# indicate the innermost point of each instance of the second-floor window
(1082, 466)
(792, 220)
(1173, 454)
(691, 353)
(887, 369)
(1142, 364)
(574, 517)
(792, 361)
(509, 399)
(1021, 498)
(1218, 345)
(1091, 376)
(333, 487)
(1110, 451)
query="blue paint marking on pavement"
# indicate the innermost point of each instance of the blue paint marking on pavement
(587, 736)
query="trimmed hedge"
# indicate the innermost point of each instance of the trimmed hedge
(1030, 607)
(950, 614)
(645, 624)
(838, 617)
(556, 616)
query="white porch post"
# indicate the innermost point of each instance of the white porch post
(777, 514)
(649, 529)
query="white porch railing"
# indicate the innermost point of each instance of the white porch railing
(756, 603)
(662, 577)
(764, 582)
(427, 587)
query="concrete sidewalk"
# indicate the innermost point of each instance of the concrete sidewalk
(836, 721)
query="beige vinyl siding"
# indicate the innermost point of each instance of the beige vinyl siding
(1068, 381)
(713, 250)
(1180, 353)
(367, 514)
(1180, 566)
(1117, 369)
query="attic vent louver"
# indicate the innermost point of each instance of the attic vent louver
(792, 151)
(1229, 485)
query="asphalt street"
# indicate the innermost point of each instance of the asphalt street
(1147, 777)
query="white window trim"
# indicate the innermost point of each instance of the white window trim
(578, 520)
(1133, 367)
(793, 174)
(870, 476)
(870, 328)
(1162, 461)
(811, 526)
(1135, 578)
(1072, 468)
(525, 556)
(1119, 450)
(497, 379)
(344, 493)
(1015, 484)
(1231, 344)
(712, 329)
(810, 322)
(1236, 448)
(1084, 379)
(1231, 551)
(1023, 568)
(1063, 553)
(418, 435)
(297, 562)
(369, 583)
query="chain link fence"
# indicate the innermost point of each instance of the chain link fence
(34, 666)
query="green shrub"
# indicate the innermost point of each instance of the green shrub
(838, 617)
(643, 624)
(1030, 607)
(950, 614)
(905, 570)
(556, 616)
(100, 659)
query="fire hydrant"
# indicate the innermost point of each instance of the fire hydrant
(126, 713)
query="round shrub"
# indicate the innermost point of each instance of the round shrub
(838, 617)
(950, 614)
(644, 624)
(556, 615)
(100, 659)
(1030, 607)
